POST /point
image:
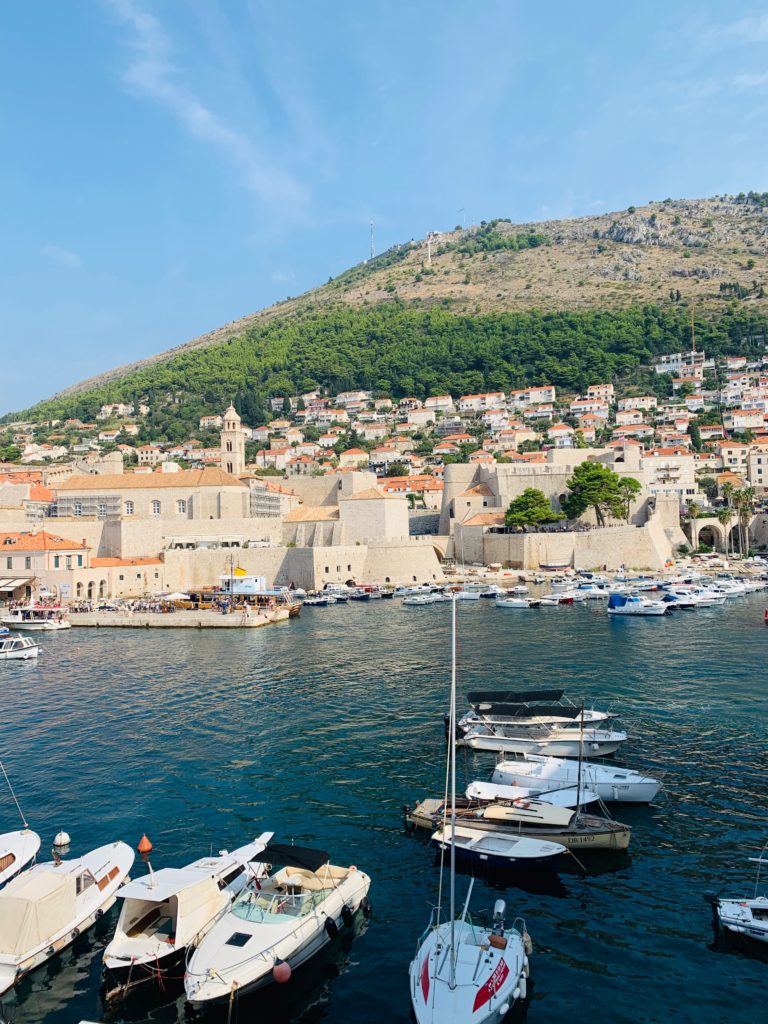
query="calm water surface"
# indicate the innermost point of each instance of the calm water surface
(322, 729)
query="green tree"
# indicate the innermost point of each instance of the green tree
(531, 508)
(397, 469)
(708, 484)
(695, 435)
(724, 517)
(628, 489)
(596, 486)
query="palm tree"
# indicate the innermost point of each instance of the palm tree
(745, 507)
(724, 517)
(728, 492)
(693, 515)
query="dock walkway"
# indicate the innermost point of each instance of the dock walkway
(179, 619)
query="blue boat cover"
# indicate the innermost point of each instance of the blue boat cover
(617, 601)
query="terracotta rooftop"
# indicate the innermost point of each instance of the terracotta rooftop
(313, 514)
(209, 477)
(40, 541)
(370, 494)
(485, 519)
(105, 563)
(479, 490)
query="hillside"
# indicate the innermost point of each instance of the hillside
(497, 304)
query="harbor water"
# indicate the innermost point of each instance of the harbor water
(323, 728)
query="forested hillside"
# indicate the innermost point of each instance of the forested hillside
(494, 306)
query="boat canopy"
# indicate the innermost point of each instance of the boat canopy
(528, 711)
(34, 908)
(196, 903)
(292, 856)
(513, 696)
(617, 600)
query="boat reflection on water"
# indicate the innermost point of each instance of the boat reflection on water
(545, 879)
(308, 989)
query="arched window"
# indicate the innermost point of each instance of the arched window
(90, 590)
(155, 507)
(181, 507)
(129, 508)
(229, 446)
(102, 588)
(79, 590)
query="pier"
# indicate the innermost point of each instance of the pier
(204, 619)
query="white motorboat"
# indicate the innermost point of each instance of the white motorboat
(18, 648)
(558, 741)
(36, 617)
(516, 602)
(492, 590)
(319, 600)
(418, 600)
(44, 909)
(17, 852)
(519, 589)
(465, 972)
(467, 595)
(560, 584)
(591, 591)
(544, 774)
(527, 709)
(275, 924)
(634, 604)
(747, 916)
(496, 849)
(490, 792)
(166, 913)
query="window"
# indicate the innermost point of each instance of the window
(229, 467)
(129, 508)
(121, 576)
(102, 509)
(181, 507)
(28, 562)
(229, 446)
(56, 562)
(155, 507)
(78, 510)
(9, 563)
(80, 561)
(68, 559)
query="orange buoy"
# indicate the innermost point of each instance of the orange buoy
(281, 972)
(144, 844)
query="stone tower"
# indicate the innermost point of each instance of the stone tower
(232, 443)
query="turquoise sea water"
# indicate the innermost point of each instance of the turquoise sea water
(323, 728)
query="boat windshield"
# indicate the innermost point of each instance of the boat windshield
(266, 905)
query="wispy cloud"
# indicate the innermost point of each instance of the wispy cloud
(283, 276)
(64, 257)
(756, 80)
(152, 73)
(747, 30)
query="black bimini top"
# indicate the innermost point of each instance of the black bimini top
(513, 696)
(527, 710)
(292, 856)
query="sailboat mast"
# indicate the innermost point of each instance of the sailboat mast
(452, 977)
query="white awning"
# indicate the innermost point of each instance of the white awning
(9, 583)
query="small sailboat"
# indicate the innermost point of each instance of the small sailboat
(166, 913)
(44, 909)
(747, 916)
(275, 924)
(609, 782)
(462, 971)
(568, 796)
(496, 849)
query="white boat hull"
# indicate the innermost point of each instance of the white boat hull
(17, 852)
(544, 774)
(738, 916)
(595, 743)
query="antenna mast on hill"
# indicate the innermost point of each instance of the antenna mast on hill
(373, 249)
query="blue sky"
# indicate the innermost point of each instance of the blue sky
(169, 166)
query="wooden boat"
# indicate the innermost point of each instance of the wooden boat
(496, 849)
(532, 818)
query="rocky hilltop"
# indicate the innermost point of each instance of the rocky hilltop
(702, 251)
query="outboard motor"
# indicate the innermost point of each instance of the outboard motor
(499, 910)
